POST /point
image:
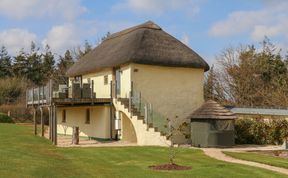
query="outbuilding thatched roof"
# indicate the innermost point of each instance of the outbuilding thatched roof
(212, 110)
(143, 44)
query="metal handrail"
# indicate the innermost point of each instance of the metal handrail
(145, 108)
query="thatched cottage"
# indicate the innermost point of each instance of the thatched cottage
(128, 86)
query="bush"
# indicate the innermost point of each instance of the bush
(12, 90)
(279, 131)
(242, 131)
(257, 131)
(5, 119)
(19, 112)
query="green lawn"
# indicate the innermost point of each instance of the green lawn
(261, 158)
(25, 155)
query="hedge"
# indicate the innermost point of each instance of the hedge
(258, 131)
(5, 119)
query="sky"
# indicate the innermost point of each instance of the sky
(206, 26)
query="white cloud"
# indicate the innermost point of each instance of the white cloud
(63, 37)
(16, 39)
(269, 21)
(158, 7)
(185, 39)
(19, 9)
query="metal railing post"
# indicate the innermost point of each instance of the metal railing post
(111, 91)
(38, 95)
(145, 113)
(33, 96)
(92, 88)
(130, 103)
(139, 101)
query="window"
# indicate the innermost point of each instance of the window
(87, 121)
(63, 116)
(105, 79)
(78, 78)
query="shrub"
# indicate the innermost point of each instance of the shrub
(257, 131)
(260, 132)
(5, 119)
(19, 112)
(11, 90)
(242, 131)
(279, 131)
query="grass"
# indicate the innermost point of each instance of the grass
(24, 155)
(260, 158)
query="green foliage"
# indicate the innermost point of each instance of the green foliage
(64, 64)
(250, 77)
(279, 131)
(48, 64)
(258, 131)
(5, 63)
(11, 89)
(18, 112)
(242, 131)
(5, 119)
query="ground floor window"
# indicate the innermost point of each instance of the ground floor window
(63, 116)
(87, 121)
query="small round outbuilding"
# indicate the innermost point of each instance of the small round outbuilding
(212, 126)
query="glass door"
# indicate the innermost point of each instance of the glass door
(118, 82)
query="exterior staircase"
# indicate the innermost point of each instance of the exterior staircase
(135, 112)
(149, 127)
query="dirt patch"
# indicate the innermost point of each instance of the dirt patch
(170, 167)
(276, 153)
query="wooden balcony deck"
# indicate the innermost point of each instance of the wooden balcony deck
(80, 101)
(71, 101)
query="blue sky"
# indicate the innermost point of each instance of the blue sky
(207, 26)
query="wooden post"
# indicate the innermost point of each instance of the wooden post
(42, 121)
(50, 116)
(111, 120)
(27, 98)
(55, 125)
(35, 121)
(52, 124)
(75, 136)
(50, 90)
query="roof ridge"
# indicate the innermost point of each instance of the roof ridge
(149, 24)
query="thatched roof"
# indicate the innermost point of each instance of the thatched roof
(212, 110)
(143, 44)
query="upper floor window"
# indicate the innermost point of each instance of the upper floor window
(105, 79)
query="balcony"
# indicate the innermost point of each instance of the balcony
(76, 94)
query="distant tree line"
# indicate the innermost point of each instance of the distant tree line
(246, 76)
(33, 68)
(36, 66)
